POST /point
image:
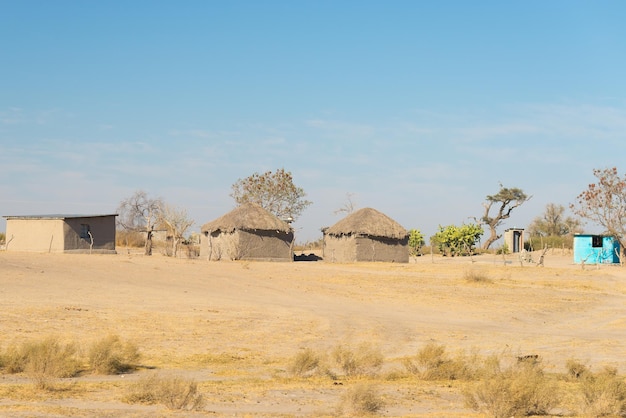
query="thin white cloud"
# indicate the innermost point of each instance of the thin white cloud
(11, 116)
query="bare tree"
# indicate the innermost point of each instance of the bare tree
(349, 206)
(273, 191)
(177, 223)
(553, 222)
(140, 212)
(604, 203)
(505, 200)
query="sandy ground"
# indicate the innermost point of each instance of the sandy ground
(234, 326)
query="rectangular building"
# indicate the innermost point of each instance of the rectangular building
(595, 249)
(61, 233)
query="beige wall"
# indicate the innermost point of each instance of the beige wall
(60, 235)
(509, 240)
(38, 235)
(351, 248)
(382, 249)
(244, 245)
(339, 249)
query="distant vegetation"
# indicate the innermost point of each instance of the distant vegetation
(133, 239)
(536, 243)
(305, 246)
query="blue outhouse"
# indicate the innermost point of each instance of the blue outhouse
(595, 249)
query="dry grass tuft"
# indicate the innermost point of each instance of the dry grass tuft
(362, 399)
(42, 361)
(175, 393)
(433, 363)
(604, 393)
(576, 369)
(110, 355)
(520, 390)
(365, 360)
(304, 363)
(476, 276)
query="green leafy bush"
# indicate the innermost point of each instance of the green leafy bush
(457, 240)
(416, 242)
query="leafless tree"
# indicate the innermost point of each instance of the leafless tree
(141, 213)
(348, 207)
(177, 223)
(553, 222)
(604, 203)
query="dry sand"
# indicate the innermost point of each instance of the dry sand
(234, 326)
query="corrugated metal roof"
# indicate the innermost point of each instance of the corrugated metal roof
(55, 216)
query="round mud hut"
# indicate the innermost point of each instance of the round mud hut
(248, 232)
(366, 235)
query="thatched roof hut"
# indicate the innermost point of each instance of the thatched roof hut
(247, 232)
(366, 235)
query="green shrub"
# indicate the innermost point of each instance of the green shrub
(364, 360)
(519, 390)
(174, 393)
(362, 399)
(111, 356)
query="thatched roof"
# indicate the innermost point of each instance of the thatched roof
(249, 217)
(369, 222)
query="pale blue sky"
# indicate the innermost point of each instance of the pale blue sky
(419, 109)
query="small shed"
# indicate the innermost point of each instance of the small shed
(596, 249)
(61, 233)
(514, 239)
(248, 232)
(366, 235)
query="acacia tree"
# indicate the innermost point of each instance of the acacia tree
(553, 223)
(177, 223)
(140, 213)
(273, 191)
(604, 203)
(505, 200)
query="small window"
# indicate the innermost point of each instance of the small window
(84, 231)
(596, 241)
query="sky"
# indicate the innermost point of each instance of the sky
(419, 109)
